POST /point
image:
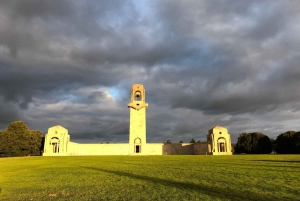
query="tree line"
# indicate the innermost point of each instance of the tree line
(259, 143)
(19, 140)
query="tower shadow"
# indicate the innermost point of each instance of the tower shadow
(215, 191)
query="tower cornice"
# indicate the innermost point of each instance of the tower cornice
(137, 106)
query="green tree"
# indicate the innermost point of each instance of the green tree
(169, 142)
(233, 145)
(42, 145)
(8, 146)
(19, 140)
(243, 144)
(253, 143)
(36, 138)
(296, 140)
(264, 145)
(284, 143)
(273, 145)
(193, 141)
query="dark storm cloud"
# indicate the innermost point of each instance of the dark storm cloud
(33, 8)
(234, 83)
(203, 63)
(8, 113)
(20, 84)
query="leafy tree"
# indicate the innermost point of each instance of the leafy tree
(169, 142)
(264, 145)
(1, 144)
(19, 140)
(180, 142)
(233, 145)
(283, 143)
(243, 144)
(296, 140)
(273, 145)
(36, 138)
(42, 145)
(8, 146)
(253, 143)
(287, 143)
(20, 134)
(193, 141)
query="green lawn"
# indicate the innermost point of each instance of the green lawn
(238, 177)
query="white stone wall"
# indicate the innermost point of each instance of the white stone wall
(68, 148)
(76, 149)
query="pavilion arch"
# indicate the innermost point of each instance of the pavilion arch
(222, 144)
(55, 143)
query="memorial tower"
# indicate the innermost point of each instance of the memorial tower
(137, 127)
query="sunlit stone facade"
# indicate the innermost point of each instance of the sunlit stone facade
(137, 127)
(218, 141)
(57, 140)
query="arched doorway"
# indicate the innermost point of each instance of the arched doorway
(137, 145)
(55, 143)
(222, 145)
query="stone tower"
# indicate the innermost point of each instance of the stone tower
(137, 127)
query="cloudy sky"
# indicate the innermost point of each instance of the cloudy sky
(203, 63)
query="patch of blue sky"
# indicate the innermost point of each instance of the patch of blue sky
(144, 8)
(114, 92)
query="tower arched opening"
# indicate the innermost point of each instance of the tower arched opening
(137, 96)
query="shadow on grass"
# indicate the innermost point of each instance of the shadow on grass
(261, 165)
(277, 161)
(216, 191)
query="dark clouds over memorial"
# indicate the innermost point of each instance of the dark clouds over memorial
(202, 63)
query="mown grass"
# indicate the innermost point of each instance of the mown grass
(243, 177)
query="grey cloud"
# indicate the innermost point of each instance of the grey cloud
(95, 95)
(8, 113)
(33, 8)
(216, 95)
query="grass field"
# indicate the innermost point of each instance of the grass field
(243, 177)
